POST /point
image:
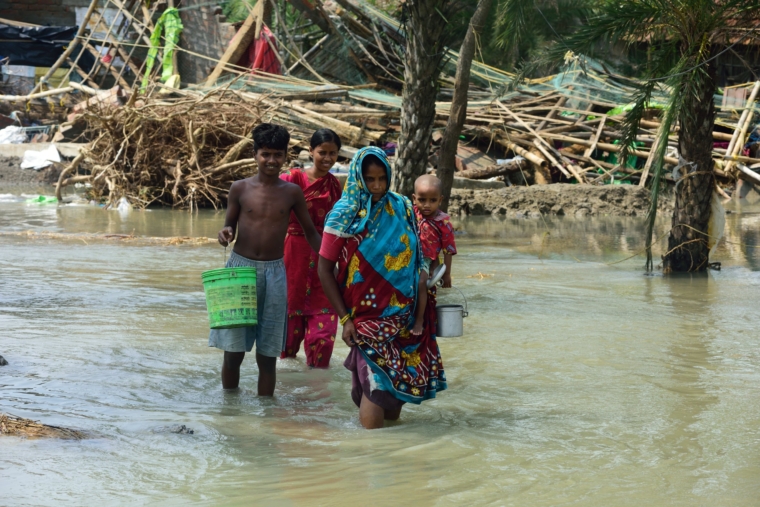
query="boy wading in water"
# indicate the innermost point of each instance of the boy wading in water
(259, 207)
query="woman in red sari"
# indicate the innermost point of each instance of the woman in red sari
(311, 319)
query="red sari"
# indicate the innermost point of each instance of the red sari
(310, 315)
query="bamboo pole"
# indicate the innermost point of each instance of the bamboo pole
(75, 63)
(493, 170)
(649, 162)
(307, 54)
(752, 175)
(243, 38)
(551, 158)
(57, 91)
(742, 120)
(605, 146)
(302, 57)
(595, 140)
(81, 73)
(112, 39)
(109, 38)
(86, 89)
(550, 116)
(540, 139)
(140, 30)
(137, 22)
(533, 158)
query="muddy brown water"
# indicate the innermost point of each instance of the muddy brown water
(576, 383)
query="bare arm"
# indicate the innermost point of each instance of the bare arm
(326, 270)
(302, 214)
(447, 260)
(227, 234)
(421, 304)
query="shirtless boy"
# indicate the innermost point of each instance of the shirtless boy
(259, 207)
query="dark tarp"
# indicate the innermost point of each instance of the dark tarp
(40, 46)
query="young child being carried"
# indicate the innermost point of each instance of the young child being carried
(259, 207)
(436, 235)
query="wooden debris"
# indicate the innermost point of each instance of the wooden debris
(494, 170)
(19, 427)
(169, 153)
(183, 147)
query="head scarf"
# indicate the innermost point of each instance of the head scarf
(350, 214)
(390, 245)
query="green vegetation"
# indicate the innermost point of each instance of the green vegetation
(237, 10)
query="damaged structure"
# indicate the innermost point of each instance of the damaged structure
(165, 93)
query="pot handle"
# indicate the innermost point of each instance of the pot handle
(465, 313)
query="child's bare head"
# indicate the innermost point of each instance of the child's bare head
(270, 147)
(269, 135)
(427, 194)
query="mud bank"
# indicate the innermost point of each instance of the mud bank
(557, 199)
(11, 174)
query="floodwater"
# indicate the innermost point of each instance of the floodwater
(578, 382)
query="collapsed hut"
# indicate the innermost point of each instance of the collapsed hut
(156, 135)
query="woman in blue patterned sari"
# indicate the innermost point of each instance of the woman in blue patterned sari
(372, 237)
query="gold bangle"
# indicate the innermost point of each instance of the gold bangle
(344, 319)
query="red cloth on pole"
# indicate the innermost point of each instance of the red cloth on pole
(260, 53)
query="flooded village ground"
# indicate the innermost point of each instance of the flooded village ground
(578, 382)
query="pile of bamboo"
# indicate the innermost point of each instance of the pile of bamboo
(574, 142)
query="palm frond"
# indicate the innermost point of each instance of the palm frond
(629, 22)
(630, 125)
(522, 26)
(512, 23)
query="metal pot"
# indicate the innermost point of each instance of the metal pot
(451, 318)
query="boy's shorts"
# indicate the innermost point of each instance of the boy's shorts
(272, 310)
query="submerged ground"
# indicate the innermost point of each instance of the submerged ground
(578, 382)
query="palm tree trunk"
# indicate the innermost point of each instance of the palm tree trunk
(458, 112)
(687, 242)
(422, 64)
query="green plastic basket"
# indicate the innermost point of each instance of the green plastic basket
(230, 297)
